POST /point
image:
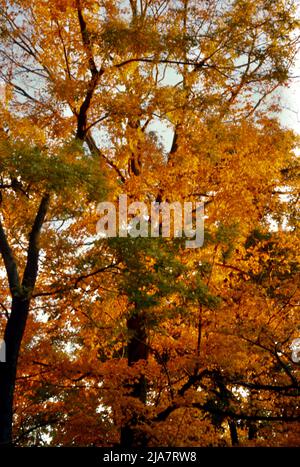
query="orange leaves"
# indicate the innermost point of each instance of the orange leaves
(168, 93)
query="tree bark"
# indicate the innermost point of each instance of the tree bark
(137, 349)
(13, 337)
(21, 293)
(233, 433)
(252, 431)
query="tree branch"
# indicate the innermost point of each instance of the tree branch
(95, 150)
(31, 268)
(9, 262)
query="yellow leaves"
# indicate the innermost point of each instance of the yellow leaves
(62, 5)
(6, 95)
(135, 137)
(78, 327)
(54, 7)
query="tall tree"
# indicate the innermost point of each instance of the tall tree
(90, 87)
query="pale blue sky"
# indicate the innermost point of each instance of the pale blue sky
(291, 101)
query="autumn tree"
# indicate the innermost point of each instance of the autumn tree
(142, 340)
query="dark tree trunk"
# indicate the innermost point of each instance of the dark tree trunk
(6, 401)
(15, 327)
(137, 350)
(13, 337)
(233, 433)
(252, 431)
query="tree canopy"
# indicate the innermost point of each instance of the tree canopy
(141, 341)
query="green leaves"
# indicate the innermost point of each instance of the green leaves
(58, 172)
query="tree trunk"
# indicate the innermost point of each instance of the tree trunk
(252, 431)
(233, 433)
(137, 350)
(15, 327)
(13, 337)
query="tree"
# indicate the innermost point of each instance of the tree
(30, 177)
(151, 343)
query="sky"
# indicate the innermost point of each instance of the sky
(291, 102)
(289, 116)
(291, 96)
